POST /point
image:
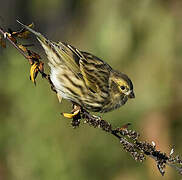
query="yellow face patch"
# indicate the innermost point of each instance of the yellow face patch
(122, 82)
(122, 85)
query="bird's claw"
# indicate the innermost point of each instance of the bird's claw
(71, 115)
(74, 113)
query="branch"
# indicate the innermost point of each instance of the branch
(129, 139)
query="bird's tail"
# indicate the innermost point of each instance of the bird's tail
(46, 44)
(37, 34)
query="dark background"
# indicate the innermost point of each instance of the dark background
(142, 38)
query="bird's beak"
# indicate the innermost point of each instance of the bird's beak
(131, 95)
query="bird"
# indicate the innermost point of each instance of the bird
(83, 78)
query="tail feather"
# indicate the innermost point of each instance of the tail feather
(37, 34)
(46, 44)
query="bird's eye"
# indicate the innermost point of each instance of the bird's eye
(122, 87)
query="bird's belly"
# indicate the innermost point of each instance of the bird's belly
(58, 85)
(67, 84)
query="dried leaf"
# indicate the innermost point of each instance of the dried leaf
(8, 35)
(34, 72)
(41, 67)
(12, 39)
(2, 42)
(33, 55)
(125, 126)
(23, 48)
(23, 33)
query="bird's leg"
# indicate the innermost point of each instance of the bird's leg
(75, 115)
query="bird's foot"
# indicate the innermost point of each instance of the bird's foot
(74, 113)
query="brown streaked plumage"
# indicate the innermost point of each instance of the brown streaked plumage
(85, 79)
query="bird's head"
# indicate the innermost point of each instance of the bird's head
(122, 85)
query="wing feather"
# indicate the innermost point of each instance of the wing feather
(90, 68)
(96, 72)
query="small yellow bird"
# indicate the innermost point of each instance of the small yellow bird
(83, 78)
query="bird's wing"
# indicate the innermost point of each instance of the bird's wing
(77, 62)
(90, 68)
(96, 72)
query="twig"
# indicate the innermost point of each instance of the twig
(14, 44)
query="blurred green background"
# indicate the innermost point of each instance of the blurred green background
(142, 38)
